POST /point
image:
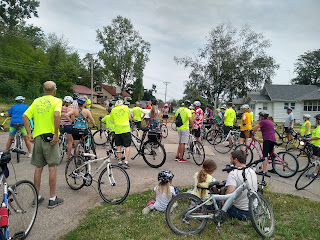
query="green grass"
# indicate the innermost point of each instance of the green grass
(296, 218)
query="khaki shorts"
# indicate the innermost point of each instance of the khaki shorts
(43, 153)
(183, 136)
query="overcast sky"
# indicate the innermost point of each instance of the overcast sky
(179, 27)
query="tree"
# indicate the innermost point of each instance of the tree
(307, 68)
(124, 52)
(13, 12)
(148, 93)
(229, 65)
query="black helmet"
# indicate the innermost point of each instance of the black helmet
(229, 104)
(75, 96)
(209, 106)
(154, 101)
(264, 114)
(165, 176)
(317, 116)
(187, 103)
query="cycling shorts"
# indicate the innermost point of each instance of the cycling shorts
(13, 131)
(226, 129)
(267, 147)
(315, 151)
(287, 130)
(197, 132)
(123, 139)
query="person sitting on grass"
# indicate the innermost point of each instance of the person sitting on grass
(204, 176)
(163, 192)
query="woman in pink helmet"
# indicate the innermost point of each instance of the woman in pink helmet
(165, 112)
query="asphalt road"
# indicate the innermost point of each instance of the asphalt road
(54, 223)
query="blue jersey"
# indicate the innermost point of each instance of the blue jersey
(16, 112)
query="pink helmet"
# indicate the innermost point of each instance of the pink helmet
(166, 105)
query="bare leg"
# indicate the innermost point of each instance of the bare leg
(52, 180)
(264, 165)
(28, 144)
(119, 153)
(127, 154)
(9, 142)
(70, 140)
(37, 178)
(181, 150)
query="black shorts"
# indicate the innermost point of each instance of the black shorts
(197, 132)
(226, 129)
(77, 134)
(316, 151)
(267, 147)
(165, 116)
(123, 139)
(287, 130)
(138, 124)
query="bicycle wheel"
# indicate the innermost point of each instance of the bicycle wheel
(164, 130)
(180, 217)
(285, 164)
(294, 144)
(113, 185)
(81, 147)
(173, 126)
(75, 172)
(305, 178)
(100, 137)
(153, 154)
(261, 215)
(247, 150)
(23, 207)
(211, 136)
(18, 145)
(197, 152)
(221, 144)
(302, 158)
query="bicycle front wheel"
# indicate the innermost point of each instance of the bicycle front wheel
(247, 150)
(183, 215)
(197, 152)
(113, 184)
(75, 172)
(100, 137)
(306, 177)
(23, 207)
(302, 158)
(261, 215)
(173, 126)
(221, 144)
(285, 164)
(153, 154)
(164, 130)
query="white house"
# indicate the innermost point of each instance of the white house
(275, 99)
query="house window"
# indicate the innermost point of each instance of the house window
(286, 105)
(97, 89)
(311, 106)
(292, 105)
(265, 106)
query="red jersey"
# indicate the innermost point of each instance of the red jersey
(198, 118)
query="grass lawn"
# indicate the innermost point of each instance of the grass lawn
(296, 218)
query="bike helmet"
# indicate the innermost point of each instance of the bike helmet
(187, 103)
(166, 105)
(223, 108)
(81, 101)
(197, 103)
(119, 102)
(68, 99)
(230, 104)
(245, 106)
(165, 176)
(209, 106)
(264, 114)
(75, 96)
(289, 108)
(317, 116)
(154, 101)
(191, 107)
(20, 99)
(306, 116)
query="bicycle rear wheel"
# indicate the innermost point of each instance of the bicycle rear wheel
(305, 178)
(285, 164)
(164, 130)
(173, 126)
(154, 154)
(180, 217)
(74, 173)
(210, 136)
(197, 152)
(261, 215)
(100, 137)
(113, 185)
(23, 207)
(247, 150)
(302, 158)
(18, 144)
(221, 144)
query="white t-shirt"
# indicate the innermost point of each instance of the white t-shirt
(162, 200)
(74, 104)
(235, 179)
(147, 111)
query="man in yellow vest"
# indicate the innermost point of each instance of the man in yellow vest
(88, 102)
(229, 119)
(136, 113)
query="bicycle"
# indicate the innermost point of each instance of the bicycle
(307, 176)
(187, 214)
(86, 143)
(280, 136)
(173, 126)
(221, 142)
(213, 131)
(18, 141)
(195, 149)
(283, 163)
(63, 144)
(19, 205)
(164, 129)
(103, 135)
(113, 181)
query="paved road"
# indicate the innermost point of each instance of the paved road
(54, 223)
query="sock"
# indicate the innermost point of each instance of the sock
(39, 197)
(126, 162)
(53, 198)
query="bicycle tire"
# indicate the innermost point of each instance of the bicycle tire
(176, 217)
(100, 137)
(285, 164)
(119, 189)
(209, 137)
(261, 212)
(173, 126)
(164, 130)
(304, 180)
(62, 148)
(23, 207)
(80, 148)
(197, 152)
(293, 144)
(149, 148)
(17, 145)
(75, 179)
(302, 157)
(247, 150)
(221, 144)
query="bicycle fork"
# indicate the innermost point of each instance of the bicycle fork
(110, 175)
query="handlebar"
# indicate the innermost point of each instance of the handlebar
(231, 167)
(17, 150)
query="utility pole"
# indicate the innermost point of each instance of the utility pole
(165, 94)
(92, 79)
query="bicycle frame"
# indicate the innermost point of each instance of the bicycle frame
(137, 142)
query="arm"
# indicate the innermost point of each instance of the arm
(56, 117)
(191, 121)
(243, 118)
(91, 118)
(26, 124)
(256, 127)
(69, 114)
(290, 125)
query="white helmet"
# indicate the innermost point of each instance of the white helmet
(119, 102)
(19, 99)
(191, 107)
(245, 106)
(68, 99)
(306, 115)
(197, 103)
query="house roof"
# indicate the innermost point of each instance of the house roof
(83, 90)
(112, 90)
(259, 97)
(313, 95)
(288, 92)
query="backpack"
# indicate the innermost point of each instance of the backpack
(179, 122)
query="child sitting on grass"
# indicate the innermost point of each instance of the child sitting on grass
(204, 176)
(163, 192)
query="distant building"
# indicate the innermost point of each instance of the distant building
(83, 90)
(106, 92)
